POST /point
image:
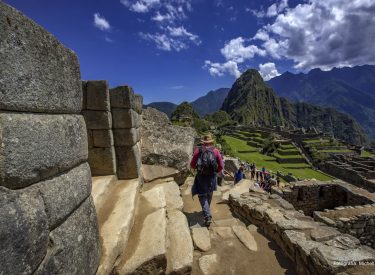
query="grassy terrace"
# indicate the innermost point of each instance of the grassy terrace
(335, 151)
(315, 141)
(366, 154)
(300, 170)
(296, 156)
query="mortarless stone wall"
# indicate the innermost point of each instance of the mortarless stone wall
(48, 222)
(98, 117)
(126, 108)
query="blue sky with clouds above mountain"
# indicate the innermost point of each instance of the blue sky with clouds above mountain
(174, 50)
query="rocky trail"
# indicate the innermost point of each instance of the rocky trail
(157, 228)
(229, 246)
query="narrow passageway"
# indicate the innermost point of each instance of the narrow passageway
(227, 254)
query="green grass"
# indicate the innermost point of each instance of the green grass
(287, 146)
(292, 151)
(315, 141)
(366, 154)
(288, 156)
(299, 170)
(335, 151)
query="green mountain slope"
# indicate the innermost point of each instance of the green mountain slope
(252, 101)
(350, 90)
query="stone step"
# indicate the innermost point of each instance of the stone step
(101, 186)
(154, 172)
(148, 254)
(180, 244)
(116, 219)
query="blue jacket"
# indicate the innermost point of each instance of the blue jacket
(238, 176)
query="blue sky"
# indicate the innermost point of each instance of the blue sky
(176, 50)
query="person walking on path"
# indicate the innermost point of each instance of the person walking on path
(208, 162)
(239, 175)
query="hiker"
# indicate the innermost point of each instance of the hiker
(263, 171)
(253, 167)
(239, 175)
(208, 162)
(278, 181)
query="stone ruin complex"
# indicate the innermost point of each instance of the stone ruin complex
(314, 247)
(356, 170)
(73, 158)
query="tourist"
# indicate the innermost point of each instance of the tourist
(263, 171)
(253, 167)
(239, 175)
(208, 163)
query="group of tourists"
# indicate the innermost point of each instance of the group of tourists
(208, 162)
(262, 178)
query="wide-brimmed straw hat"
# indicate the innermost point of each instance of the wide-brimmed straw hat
(207, 139)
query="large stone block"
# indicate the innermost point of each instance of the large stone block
(38, 74)
(138, 103)
(64, 193)
(128, 162)
(97, 120)
(125, 119)
(84, 93)
(98, 95)
(23, 231)
(74, 247)
(126, 137)
(122, 97)
(35, 147)
(102, 138)
(102, 161)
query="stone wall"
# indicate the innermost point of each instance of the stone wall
(126, 108)
(358, 221)
(165, 144)
(314, 247)
(353, 175)
(310, 196)
(97, 113)
(48, 220)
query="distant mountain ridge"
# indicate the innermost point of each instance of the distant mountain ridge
(252, 102)
(165, 107)
(350, 90)
(211, 102)
(204, 105)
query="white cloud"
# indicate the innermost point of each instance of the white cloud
(164, 42)
(140, 6)
(101, 23)
(236, 50)
(268, 70)
(277, 8)
(163, 10)
(324, 34)
(183, 33)
(177, 87)
(173, 38)
(167, 15)
(219, 69)
(109, 40)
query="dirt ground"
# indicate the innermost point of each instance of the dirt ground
(233, 256)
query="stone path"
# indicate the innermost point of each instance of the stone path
(234, 249)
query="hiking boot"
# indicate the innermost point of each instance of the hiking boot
(207, 221)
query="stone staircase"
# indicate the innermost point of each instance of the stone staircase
(142, 228)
